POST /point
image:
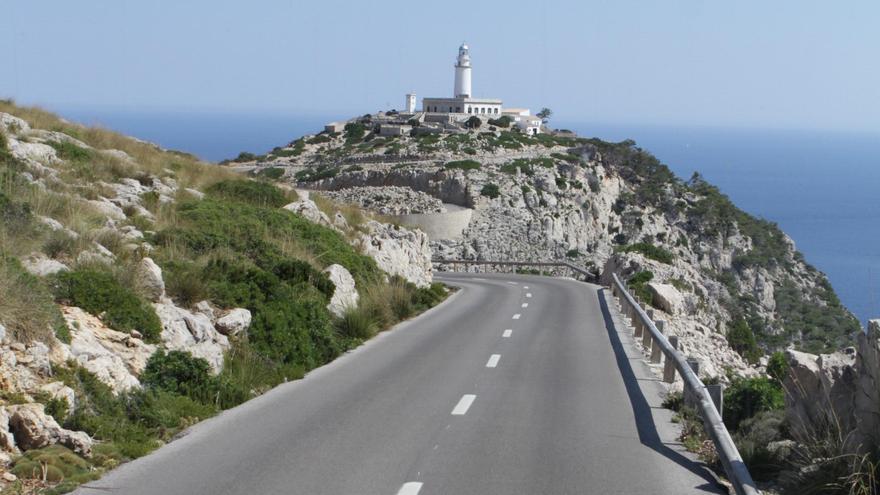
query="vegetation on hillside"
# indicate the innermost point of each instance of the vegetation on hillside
(235, 246)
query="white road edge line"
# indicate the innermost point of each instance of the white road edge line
(525, 305)
(463, 405)
(516, 316)
(493, 360)
(507, 333)
(411, 488)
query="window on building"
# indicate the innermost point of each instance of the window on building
(457, 109)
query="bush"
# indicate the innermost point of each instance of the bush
(177, 372)
(752, 438)
(650, 251)
(503, 121)
(490, 191)
(99, 293)
(271, 173)
(354, 132)
(748, 396)
(69, 151)
(463, 165)
(638, 284)
(777, 366)
(251, 192)
(742, 340)
(473, 122)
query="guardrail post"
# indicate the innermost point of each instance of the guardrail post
(690, 398)
(646, 335)
(716, 392)
(669, 366)
(656, 352)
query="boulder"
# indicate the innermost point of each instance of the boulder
(148, 279)
(818, 390)
(867, 400)
(666, 297)
(234, 322)
(345, 295)
(40, 265)
(34, 429)
(309, 210)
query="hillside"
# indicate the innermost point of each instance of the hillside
(142, 290)
(725, 280)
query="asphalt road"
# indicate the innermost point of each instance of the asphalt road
(516, 385)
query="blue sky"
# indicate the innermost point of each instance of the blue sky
(780, 63)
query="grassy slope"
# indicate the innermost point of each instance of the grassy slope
(235, 247)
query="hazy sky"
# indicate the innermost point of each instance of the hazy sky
(776, 63)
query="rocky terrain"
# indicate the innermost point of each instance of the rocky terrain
(733, 287)
(128, 272)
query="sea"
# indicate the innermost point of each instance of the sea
(821, 187)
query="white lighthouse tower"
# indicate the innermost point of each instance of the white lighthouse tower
(463, 73)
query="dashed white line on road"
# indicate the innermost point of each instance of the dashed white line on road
(525, 305)
(525, 286)
(411, 488)
(493, 360)
(463, 405)
(512, 283)
(516, 316)
(507, 333)
(529, 294)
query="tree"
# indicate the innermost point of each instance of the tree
(544, 114)
(473, 123)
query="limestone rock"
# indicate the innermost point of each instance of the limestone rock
(148, 279)
(309, 210)
(7, 440)
(192, 332)
(399, 251)
(867, 399)
(819, 389)
(345, 295)
(388, 200)
(114, 357)
(666, 297)
(34, 429)
(234, 322)
(40, 265)
(13, 125)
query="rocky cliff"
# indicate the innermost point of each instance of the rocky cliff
(733, 286)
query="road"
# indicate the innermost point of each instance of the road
(515, 385)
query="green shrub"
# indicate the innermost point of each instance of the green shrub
(59, 464)
(473, 122)
(742, 340)
(777, 366)
(177, 372)
(650, 251)
(572, 253)
(99, 292)
(490, 191)
(162, 409)
(503, 121)
(354, 132)
(638, 284)
(753, 436)
(251, 192)
(271, 173)
(748, 396)
(463, 165)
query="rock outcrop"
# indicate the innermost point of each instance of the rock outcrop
(192, 332)
(837, 392)
(345, 295)
(399, 251)
(234, 322)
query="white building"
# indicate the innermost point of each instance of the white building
(463, 102)
(523, 118)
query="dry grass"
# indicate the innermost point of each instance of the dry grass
(26, 309)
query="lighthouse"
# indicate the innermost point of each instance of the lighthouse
(463, 73)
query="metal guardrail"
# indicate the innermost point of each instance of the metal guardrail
(732, 462)
(653, 338)
(553, 264)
